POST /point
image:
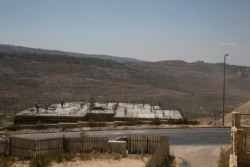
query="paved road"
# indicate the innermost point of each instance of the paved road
(187, 136)
(182, 136)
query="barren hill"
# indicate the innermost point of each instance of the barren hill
(195, 88)
(243, 109)
(26, 50)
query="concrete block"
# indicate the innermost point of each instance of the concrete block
(119, 147)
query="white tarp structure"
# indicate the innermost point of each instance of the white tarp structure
(129, 110)
(68, 109)
(120, 110)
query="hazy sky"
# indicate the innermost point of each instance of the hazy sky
(152, 30)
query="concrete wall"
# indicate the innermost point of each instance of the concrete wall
(27, 148)
(160, 155)
(119, 147)
(240, 143)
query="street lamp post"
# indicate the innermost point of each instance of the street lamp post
(223, 99)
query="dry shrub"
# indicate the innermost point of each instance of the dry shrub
(85, 157)
(6, 161)
(224, 157)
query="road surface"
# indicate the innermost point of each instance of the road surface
(192, 147)
(186, 136)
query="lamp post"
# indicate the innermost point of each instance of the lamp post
(223, 99)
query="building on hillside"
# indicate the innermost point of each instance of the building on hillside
(102, 112)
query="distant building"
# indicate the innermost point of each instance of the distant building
(104, 112)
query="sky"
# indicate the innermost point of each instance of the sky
(151, 30)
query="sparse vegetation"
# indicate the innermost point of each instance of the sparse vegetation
(46, 160)
(224, 157)
(64, 59)
(17, 127)
(182, 121)
(41, 161)
(46, 78)
(85, 157)
(6, 161)
(13, 128)
(117, 156)
(156, 121)
(93, 123)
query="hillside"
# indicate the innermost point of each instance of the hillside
(200, 84)
(243, 109)
(195, 88)
(26, 50)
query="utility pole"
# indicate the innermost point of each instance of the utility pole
(223, 99)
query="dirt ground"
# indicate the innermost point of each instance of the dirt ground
(105, 161)
(196, 155)
(125, 162)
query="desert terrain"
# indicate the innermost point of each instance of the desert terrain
(193, 88)
(38, 77)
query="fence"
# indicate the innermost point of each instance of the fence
(143, 144)
(28, 148)
(73, 144)
(4, 145)
(86, 144)
(135, 144)
(240, 142)
(32, 146)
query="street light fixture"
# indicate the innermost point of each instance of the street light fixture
(223, 100)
